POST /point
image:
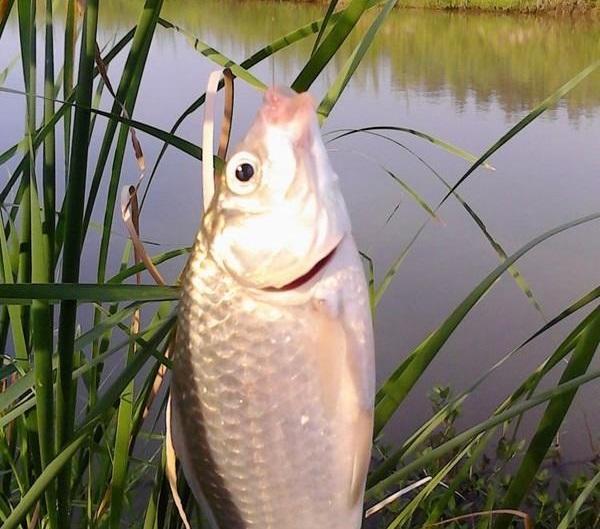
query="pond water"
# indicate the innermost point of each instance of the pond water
(466, 78)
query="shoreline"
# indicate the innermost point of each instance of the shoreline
(526, 7)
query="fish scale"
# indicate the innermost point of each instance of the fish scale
(260, 410)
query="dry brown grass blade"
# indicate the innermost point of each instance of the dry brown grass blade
(35, 519)
(171, 470)
(128, 196)
(137, 146)
(227, 114)
(104, 503)
(80, 5)
(135, 220)
(3, 8)
(527, 521)
(159, 379)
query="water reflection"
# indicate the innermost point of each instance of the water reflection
(514, 61)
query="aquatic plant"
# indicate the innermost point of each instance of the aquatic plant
(81, 444)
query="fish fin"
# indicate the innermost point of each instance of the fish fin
(362, 456)
(171, 470)
(346, 361)
(347, 381)
(360, 359)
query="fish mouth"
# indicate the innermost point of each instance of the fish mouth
(305, 278)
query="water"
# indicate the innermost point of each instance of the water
(462, 77)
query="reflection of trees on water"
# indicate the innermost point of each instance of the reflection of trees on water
(514, 61)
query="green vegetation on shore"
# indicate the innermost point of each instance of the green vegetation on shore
(525, 6)
(517, 6)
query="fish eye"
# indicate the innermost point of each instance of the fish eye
(242, 173)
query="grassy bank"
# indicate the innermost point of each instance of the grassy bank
(514, 6)
(524, 6)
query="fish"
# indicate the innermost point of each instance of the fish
(272, 389)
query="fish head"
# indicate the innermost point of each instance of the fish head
(278, 209)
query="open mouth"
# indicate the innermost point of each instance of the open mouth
(305, 278)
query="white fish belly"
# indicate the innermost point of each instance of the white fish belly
(264, 438)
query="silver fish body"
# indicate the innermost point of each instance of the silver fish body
(272, 390)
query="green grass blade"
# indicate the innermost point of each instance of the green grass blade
(183, 145)
(448, 147)
(529, 385)
(156, 260)
(49, 169)
(69, 61)
(458, 440)
(476, 450)
(17, 411)
(37, 489)
(568, 518)
(401, 381)
(121, 451)
(42, 342)
(335, 90)
(330, 9)
(550, 423)
(85, 292)
(9, 153)
(4, 73)
(496, 246)
(103, 407)
(22, 388)
(407, 511)
(4, 326)
(16, 326)
(216, 56)
(330, 45)
(26, 10)
(16, 390)
(101, 345)
(45, 129)
(106, 324)
(74, 201)
(528, 119)
(128, 90)
(370, 280)
(152, 511)
(146, 26)
(412, 193)
(126, 95)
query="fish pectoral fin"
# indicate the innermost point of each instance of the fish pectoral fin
(360, 363)
(362, 456)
